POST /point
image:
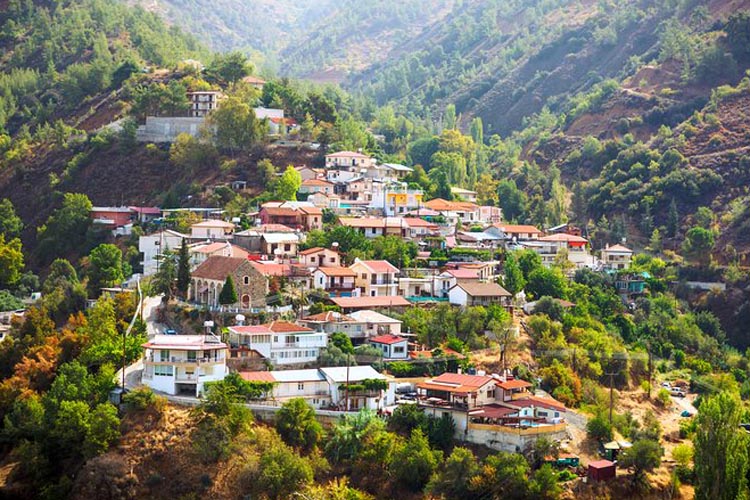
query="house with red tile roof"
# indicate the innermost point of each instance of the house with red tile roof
(200, 252)
(311, 186)
(319, 257)
(574, 247)
(455, 211)
(518, 232)
(616, 257)
(446, 280)
(336, 281)
(280, 342)
(376, 278)
(392, 346)
(493, 410)
(297, 215)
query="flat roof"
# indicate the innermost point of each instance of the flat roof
(183, 342)
(355, 373)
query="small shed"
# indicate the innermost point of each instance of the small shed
(602, 470)
(612, 450)
(563, 460)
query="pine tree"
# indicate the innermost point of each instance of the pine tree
(673, 220)
(228, 294)
(183, 270)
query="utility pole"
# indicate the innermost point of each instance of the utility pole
(650, 369)
(346, 393)
(611, 394)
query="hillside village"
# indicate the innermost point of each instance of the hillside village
(264, 268)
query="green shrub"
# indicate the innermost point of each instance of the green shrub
(143, 399)
(663, 397)
(566, 475)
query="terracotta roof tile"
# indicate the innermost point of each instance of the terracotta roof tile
(257, 376)
(478, 289)
(286, 327)
(387, 339)
(379, 266)
(217, 268)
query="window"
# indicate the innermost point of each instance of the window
(164, 370)
(164, 355)
(246, 280)
(398, 349)
(300, 386)
(191, 355)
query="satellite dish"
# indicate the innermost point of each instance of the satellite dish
(208, 324)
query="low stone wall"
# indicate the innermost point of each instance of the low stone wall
(167, 128)
(512, 439)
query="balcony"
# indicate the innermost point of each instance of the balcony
(185, 377)
(179, 359)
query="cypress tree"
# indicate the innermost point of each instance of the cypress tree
(183, 270)
(228, 294)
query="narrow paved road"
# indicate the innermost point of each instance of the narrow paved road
(150, 315)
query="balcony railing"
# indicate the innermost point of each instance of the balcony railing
(176, 359)
(186, 377)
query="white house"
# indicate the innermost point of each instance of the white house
(348, 160)
(355, 387)
(363, 390)
(616, 257)
(446, 280)
(331, 322)
(308, 384)
(336, 281)
(201, 252)
(281, 342)
(153, 246)
(464, 194)
(393, 346)
(548, 247)
(182, 364)
(319, 257)
(375, 323)
(376, 278)
(203, 102)
(475, 293)
(212, 230)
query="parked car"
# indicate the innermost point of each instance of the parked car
(686, 414)
(666, 385)
(170, 331)
(678, 393)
